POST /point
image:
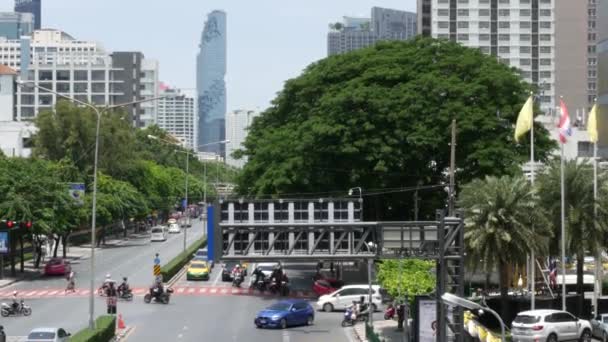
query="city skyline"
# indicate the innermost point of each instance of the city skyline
(292, 37)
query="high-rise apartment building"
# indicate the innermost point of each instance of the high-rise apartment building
(55, 60)
(591, 52)
(33, 7)
(176, 115)
(211, 85)
(356, 33)
(139, 77)
(14, 25)
(601, 12)
(237, 126)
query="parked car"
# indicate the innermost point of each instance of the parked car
(158, 233)
(57, 266)
(550, 326)
(285, 313)
(198, 270)
(599, 327)
(48, 335)
(326, 286)
(342, 298)
(174, 228)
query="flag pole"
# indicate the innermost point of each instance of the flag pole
(532, 279)
(599, 265)
(563, 230)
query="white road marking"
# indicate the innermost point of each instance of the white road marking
(285, 336)
(213, 290)
(219, 275)
(202, 290)
(52, 293)
(42, 293)
(224, 291)
(191, 290)
(181, 290)
(180, 336)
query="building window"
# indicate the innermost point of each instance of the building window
(504, 49)
(443, 36)
(463, 1)
(484, 12)
(241, 212)
(585, 149)
(504, 37)
(524, 37)
(545, 61)
(484, 37)
(443, 12)
(545, 24)
(503, 1)
(504, 12)
(524, 12)
(260, 212)
(463, 12)
(281, 212)
(484, 24)
(463, 24)
(524, 61)
(545, 74)
(504, 24)
(525, 49)
(591, 86)
(300, 211)
(545, 12)
(525, 74)
(443, 24)
(321, 212)
(484, 49)
(545, 37)
(341, 211)
(505, 61)
(525, 24)
(463, 37)
(545, 49)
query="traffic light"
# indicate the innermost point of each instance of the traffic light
(26, 225)
(8, 224)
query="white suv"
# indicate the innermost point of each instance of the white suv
(345, 296)
(550, 326)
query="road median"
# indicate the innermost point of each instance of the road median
(174, 267)
(104, 331)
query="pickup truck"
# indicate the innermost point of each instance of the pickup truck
(599, 327)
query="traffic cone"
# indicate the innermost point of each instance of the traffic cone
(121, 322)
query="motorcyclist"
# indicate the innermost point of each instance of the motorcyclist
(259, 275)
(111, 290)
(71, 283)
(236, 270)
(157, 289)
(123, 287)
(15, 304)
(277, 273)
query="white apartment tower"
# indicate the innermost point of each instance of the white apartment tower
(237, 126)
(520, 33)
(176, 115)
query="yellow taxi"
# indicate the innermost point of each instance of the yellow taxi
(198, 270)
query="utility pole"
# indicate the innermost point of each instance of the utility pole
(416, 204)
(451, 193)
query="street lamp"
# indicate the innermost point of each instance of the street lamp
(351, 191)
(467, 304)
(99, 112)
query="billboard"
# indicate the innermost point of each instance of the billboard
(4, 242)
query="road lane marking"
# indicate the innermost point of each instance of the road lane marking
(42, 293)
(181, 290)
(52, 293)
(213, 290)
(285, 336)
(29, 294)
(191, 290)
(224, 291)
(202, 290)
(219, 275)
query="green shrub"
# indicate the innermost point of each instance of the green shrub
(105, 328)
(174, 265)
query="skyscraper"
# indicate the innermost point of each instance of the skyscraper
(210, 84)
(356, 33)
(237, 126)
(30, 6)
(176, 115)
(14, 25)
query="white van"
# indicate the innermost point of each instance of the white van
(345, 296)
(158, 233)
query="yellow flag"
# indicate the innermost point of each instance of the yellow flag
(592, 124)
(525, 119)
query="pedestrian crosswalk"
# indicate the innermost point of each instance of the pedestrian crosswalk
(140, 291)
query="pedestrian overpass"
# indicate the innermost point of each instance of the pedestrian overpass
(333, 229)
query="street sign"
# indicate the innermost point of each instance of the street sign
(157, 261)
(76, 191)
(4, 242)
(156, 270)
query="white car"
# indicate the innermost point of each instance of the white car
(550, 326)
(345, 296)
(48, 335)
(174, 228)
(158, 233)
(267, 268)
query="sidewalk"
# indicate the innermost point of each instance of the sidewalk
(386, 330)
(116, 241)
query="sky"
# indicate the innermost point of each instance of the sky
(269, 41)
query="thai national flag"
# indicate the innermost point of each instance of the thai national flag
(564, 122)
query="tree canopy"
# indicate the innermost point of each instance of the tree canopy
(380, 118)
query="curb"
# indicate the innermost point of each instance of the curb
(124, 334)
(357, 334)
(176, 277)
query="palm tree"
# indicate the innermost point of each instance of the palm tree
(583, 235)
(503, 224)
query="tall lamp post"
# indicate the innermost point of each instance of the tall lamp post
(99, 112)
(451, 299)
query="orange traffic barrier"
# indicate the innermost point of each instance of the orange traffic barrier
(121, 322)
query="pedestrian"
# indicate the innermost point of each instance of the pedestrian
(112, 294)
(71, 283)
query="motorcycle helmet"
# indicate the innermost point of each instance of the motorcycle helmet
(124, 279)
(108, 275)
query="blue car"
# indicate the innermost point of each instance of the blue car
(286, 313)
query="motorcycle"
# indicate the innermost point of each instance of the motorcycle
(350, 318)
(260, 285)
(125, 294)
(237, 280)
(390, 311)
(281, 288)
(157, 296)
(8, 310)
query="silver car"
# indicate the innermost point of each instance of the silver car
(599, 326)
(48, 335)
(550, 326)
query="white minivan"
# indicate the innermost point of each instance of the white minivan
(345, 296)
(158, 233)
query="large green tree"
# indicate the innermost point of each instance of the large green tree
(504, 223)
(583, 232)
(380, 118)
